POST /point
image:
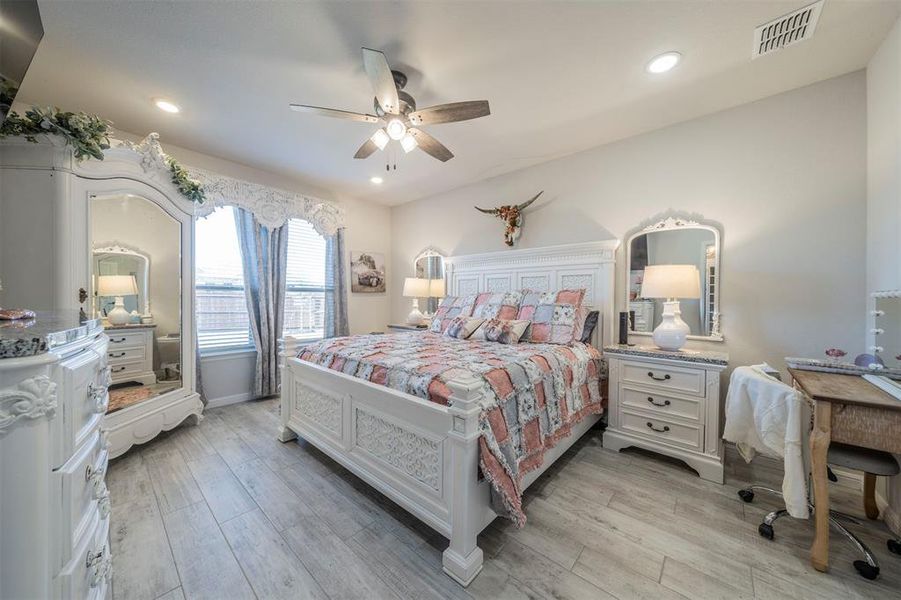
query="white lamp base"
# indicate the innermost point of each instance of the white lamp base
(415, 317)
(118, 316)
(672, 333)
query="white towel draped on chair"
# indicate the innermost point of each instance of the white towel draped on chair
(767, 416)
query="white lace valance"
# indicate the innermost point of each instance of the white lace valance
(271, 207)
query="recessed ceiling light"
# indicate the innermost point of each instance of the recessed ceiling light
(376, 180)
(664, 62)
(165, 105)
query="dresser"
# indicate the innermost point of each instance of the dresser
(54, 503)
(130, 355)
(667, 402)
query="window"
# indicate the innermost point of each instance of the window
(307, 285)
(222, 319)
(221, 309)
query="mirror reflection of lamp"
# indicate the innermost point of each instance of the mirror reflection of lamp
(415, 288)
(117, 286)
(671, 282)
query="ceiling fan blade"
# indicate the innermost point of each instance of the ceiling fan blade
(376, 66)
(430, 145)
(450, 113)
(366, 149)
(333, 112)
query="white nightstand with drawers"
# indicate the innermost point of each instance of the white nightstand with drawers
(667, 402)
(130, 354)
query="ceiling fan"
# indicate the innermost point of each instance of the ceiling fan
(395, 109)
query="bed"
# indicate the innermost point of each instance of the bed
(420, 446)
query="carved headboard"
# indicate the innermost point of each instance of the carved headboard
(588, 265)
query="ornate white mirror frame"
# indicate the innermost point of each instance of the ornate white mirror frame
(673, 224)
(117, 247)
(430, 252)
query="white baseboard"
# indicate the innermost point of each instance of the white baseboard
(226, 400)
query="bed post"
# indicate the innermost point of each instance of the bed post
(288, 348)
(463, 558)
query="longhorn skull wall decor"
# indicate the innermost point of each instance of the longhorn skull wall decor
(511, 215)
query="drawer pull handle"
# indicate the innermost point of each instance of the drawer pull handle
(117, 340)
(118, 355)
(655, 378)
(652, 428)
(100, 565)
(664, 403)
(118, 369)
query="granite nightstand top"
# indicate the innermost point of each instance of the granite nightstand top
(28, 337)
(697, 356)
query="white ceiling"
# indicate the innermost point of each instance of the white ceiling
(561, 77)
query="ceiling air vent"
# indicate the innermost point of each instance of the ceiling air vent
(788, 29)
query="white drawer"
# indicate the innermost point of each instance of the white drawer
(117, 355)
(122, 371)
(124, 339)
(83, 379)
(674, 379)
(661, 404)
(662, 429)
(89, 572)
(79, 491)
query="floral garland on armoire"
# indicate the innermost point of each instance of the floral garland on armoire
(89, 136)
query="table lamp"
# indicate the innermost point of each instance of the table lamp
(117, 286)
(416, 288)
(671, 282)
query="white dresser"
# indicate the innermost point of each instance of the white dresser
(54, 504)
(130, 353)
(667, 402)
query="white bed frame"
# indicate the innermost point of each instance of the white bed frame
(422, 455)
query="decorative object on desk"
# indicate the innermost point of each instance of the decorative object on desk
(415, 288)
(835, 354)
(671, 282)
(117, 286)
(367, 273)
(16, 314)
(868, 361)
(511, 215)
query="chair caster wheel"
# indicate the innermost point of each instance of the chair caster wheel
(894, 546)
(866, 570)
(746, 495)
(766, 531)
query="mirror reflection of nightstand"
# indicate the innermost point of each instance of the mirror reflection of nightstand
(396, 327)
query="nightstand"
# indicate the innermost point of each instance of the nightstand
(667, 402)
(406, 327)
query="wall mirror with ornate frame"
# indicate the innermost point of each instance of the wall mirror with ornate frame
(429, 264)
(676, 241)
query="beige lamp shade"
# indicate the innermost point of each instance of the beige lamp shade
(671, 281)
(416, 287)
(117, 285)
(436, 288)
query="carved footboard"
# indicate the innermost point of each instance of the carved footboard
(422, 455)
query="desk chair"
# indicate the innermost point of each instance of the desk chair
(873, 463)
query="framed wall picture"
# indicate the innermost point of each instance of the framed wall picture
(367, 273)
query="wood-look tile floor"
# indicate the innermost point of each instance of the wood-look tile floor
(222, 510)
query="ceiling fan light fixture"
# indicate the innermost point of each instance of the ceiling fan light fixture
(663, 63)
(409, 143)
(396, 129)
(380, 138)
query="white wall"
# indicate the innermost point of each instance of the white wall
(784, 176)
(884, 190)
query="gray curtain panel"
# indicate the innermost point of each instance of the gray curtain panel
(336, 287)
(264, 254)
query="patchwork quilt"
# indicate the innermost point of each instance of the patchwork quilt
(536, 392)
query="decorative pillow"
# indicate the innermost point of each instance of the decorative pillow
(462, 327)
(450, 307)
(557, 317)
(502, 331)
(501, 305)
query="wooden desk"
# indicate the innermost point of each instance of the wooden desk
(849, 410)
